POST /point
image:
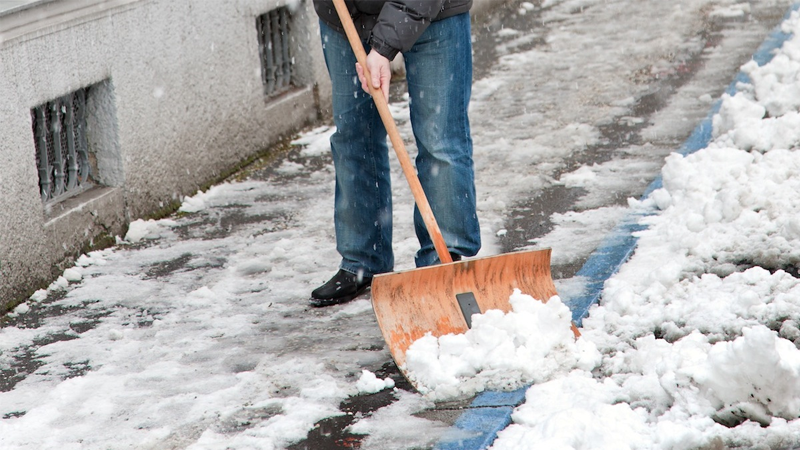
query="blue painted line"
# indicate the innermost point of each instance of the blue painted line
(476, 429)
(490, 412)
(615, 250)
(499, 398)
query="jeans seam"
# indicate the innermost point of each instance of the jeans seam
(379, 244)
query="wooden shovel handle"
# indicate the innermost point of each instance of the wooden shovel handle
(394, 136)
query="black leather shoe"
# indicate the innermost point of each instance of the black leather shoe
(454, 256)
(343, 287)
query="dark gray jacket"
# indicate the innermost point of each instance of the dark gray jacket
(391, 26)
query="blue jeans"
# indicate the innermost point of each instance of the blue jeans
(439, 75)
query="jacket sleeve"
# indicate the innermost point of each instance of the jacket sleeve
(401, 23)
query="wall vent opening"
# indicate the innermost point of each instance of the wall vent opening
(76, 143)
(274, 29)
(62, 151)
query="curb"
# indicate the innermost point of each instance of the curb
(490, 412)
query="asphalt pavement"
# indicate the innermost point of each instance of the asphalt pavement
(719, 45)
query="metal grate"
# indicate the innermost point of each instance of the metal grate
(273, 45)
(62, 156)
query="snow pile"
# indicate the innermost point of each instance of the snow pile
(757, 374)
(315, 142)
(73, 275)
(699, 330)
(668, 396)
(39, 295)
(743, 197)
(532, 343)
(201, 200)
(217, 195)
(147, 229)
(589, 418)
(369, 383)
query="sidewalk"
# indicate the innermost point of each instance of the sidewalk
(194, 331)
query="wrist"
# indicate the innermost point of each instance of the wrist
(382, 48)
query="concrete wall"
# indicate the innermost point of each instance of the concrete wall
(177, 101)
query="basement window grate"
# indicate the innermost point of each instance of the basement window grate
(62, 156)
(273, 45)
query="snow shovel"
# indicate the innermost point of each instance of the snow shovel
(441, 299)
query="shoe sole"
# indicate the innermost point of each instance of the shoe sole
(323, 302)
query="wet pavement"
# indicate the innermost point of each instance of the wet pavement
(527, 220)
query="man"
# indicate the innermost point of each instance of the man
(434, 37)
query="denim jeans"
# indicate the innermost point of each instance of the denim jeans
(439, 75)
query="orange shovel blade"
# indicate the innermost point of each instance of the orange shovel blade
(437, 299)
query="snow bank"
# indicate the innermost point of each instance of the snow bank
(699, 331)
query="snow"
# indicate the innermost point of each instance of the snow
(590, 418)
(407, 430)
(153, 229)
(39, 295)
(531, 344)
(193, 332)
(699, 330)
(73, 275)
(369, 383)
